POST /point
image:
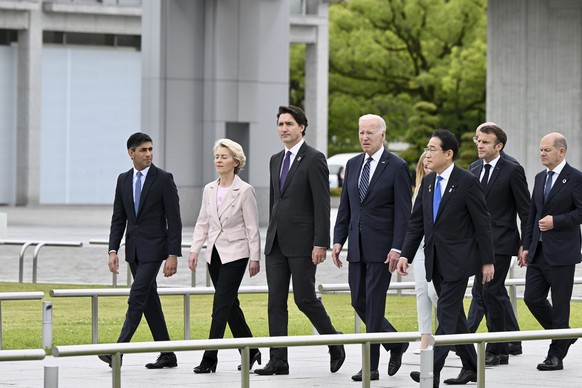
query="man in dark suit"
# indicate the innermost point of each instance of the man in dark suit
(147, 208)
(552, 244)
(451, 213)
(373, 213)
(476, 308)
(507, 195)
(297, 236)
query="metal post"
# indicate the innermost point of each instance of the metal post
(47, 325)
(366, 364)
(35, 260)
(481, 364)
(95, 319)
(129, 275)
(193, 277)
(116, 370)
(186, 316)
(208, 283)
(357, 323)
(513, 288)
(113, 279)
(244, 371)
(51, 377)
(427, 367)
(398, 280)
(0, 324)
(21, 260)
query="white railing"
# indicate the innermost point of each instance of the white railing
(245, 344)
(22, 355)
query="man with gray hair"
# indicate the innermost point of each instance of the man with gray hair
(373, 214)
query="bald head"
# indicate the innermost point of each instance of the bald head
(553, 149)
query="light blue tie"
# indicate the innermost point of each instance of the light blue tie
(436, 200)
(137, 191)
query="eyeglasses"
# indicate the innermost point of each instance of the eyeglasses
(432, 150)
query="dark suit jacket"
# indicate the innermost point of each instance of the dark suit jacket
(561, 245)
(157, 230)
(461, 233)
(506, 196)
(382, 217)
(299, 215)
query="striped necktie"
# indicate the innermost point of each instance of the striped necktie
(365, 179)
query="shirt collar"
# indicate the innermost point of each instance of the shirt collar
(295, 149)
(558, 168)
(493, 163)
(447, 173)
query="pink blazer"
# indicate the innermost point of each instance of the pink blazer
(233, 228)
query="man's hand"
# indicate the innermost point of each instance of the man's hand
(488, 272)
(546, 223)
(522, 259)
(254, 267)
(402, 266)
(318, 255)
(335, 253)
(392, 260)
(170, 266)
(114, 262)
(193, 261)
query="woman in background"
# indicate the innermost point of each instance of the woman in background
(426, 296)
(228, 221)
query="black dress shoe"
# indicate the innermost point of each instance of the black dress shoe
(337, 356)
(396, 359)
(466, 375)
(515, 348)
(551, 363)
(374, 375)
(205, 368)
(165, 360)
(106, 358)
(254, 358)
(416, 377)
(496, 359)
(274, 367)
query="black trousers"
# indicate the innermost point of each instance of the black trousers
(144, 300)
(369, 283)
(280, 270)
(452, 320)
(495, 302)
(540, 278)
(226, 279)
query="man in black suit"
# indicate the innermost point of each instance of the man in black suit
(147, 208)
(476, 309)
(297, 236)
(451, 213)
(552, 244)
(373, 213)
(507, 195)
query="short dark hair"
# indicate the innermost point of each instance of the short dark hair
(136, 139)
(497, 131)
(297, 114)
(448, 141)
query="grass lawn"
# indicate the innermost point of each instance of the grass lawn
(22, 320)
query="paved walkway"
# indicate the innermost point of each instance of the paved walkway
(309, 365)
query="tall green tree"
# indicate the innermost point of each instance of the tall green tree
(407, 61)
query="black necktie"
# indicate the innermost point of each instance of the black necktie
(365, 179)
(485, 178)
(548, 184)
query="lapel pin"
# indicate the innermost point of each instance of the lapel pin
(429, 188)
(564, 180)
(299, 159)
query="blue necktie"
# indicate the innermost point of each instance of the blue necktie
(137, 191)
(548, 185)
(284, 170)
(436, 200)
(365, 179)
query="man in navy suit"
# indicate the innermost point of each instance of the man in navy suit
(373, 214)
(297, 236)
(552, 244)
(147, 209)
(507, 195)
(476, 309)
(451, 213)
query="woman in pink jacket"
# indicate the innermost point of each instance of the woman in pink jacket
(228, 222)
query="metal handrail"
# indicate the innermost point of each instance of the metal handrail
(245, 344)
(17, 296)
(21, 355)
(186, 292)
